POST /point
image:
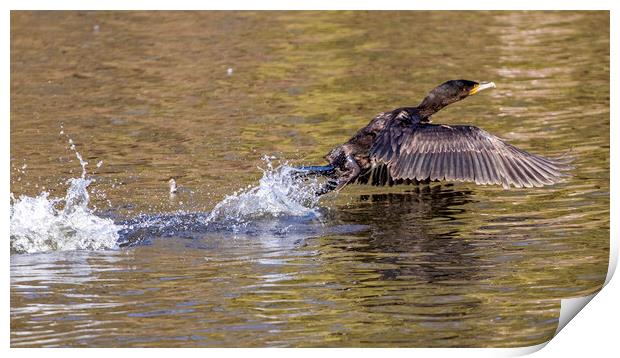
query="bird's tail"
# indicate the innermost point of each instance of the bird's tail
(313, 170)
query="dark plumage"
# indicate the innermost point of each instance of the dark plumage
(402, 146)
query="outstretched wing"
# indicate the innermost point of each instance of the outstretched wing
(460, 153)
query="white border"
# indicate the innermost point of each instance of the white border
(595, 325)
(311, 5)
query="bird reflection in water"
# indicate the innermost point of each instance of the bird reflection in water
(416, 232)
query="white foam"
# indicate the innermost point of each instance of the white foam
(43, 224)
(277, 194)
(37, 223)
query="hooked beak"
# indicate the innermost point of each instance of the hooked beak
(481, 86)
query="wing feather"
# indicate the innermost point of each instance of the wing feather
(450, 166)
(437, 166)
(461, 153)
(478, 175)
(493, 176)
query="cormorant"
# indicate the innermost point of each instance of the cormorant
(403, 147)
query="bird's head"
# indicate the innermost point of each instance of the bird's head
(450, 92)
(456, 90)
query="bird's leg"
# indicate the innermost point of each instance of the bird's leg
(352, 172)
(329, 186)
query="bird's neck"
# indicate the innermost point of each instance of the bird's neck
(430, 105)
(408, 115)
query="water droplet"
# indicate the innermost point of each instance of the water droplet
(278, 193)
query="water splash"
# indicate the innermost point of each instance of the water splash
(43, 224)
(279, 206)
(273, 206)
(278, 194)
